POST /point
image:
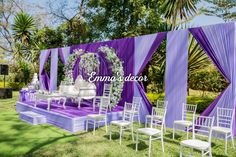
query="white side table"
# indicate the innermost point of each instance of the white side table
(50, 98)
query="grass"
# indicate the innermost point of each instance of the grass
(18, 138)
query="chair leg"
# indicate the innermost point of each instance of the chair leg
(162, 143)
(132, 132)
(110, 131)
(120, 134)
(173, 131)
(87, 125)
(145, 122)
(225, 143)
(106, 125)
(64, 103)
(210, 152)
(94, 125)
(202, 153)
(149, 145)
(136, 141)
(181, 149)
(232, 138)
(165, 128)
(187, 132)
(139, 119)
(191, 151)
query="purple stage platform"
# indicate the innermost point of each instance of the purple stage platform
(71, 119)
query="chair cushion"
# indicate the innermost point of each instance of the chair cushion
(120, 122)
(221, 129)
(196, 144)
(183, 122)
(149, 116)
(149, 131)
(130, 111)
(154, 117)
(95, 116)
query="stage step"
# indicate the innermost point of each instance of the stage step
(32, 118)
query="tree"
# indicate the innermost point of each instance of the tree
(23, 27)
(224, 9)
(112, 19)
(183, 9)
(8, 8)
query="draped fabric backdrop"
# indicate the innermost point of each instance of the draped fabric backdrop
(129, 50)
(176, 74)
(64, 53)
(124, 48)
(219, 43)
(43, 76)
(53, 73)
(145, 47)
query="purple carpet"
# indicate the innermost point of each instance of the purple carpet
(71, 108)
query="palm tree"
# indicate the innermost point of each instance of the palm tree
(23, 27)
(197, 60)
(182, 9)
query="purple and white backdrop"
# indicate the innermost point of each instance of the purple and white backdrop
(218, 42)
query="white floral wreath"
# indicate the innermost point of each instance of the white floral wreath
(88, 59)
(117, 72)
(88, 62)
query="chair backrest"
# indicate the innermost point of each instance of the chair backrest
(107, 90)
(136, 103)
(188, 111)
(162, 104)
(158, 117)
(202, 127)
(224, 117)
(127, 113)
(105, 101)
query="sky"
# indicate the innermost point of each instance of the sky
(199, 20)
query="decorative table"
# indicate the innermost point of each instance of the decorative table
(50, 98)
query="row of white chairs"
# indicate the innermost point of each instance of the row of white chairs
(131, 110)
(190, 122)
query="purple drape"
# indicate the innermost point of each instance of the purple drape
(145, 47)
(218, 41)
(64, 53)
(53, 70)
(43, 76)
(176, 74)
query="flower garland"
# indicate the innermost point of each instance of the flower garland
(117, 72)
(68, 68)
(88, 62)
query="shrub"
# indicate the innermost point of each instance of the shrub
(202, 102)
(16, 85)
(207, 80)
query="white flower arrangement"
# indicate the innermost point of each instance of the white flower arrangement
(117, 71)
(89, 62)
(68, 68)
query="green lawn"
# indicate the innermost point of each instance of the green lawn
(18, 138)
